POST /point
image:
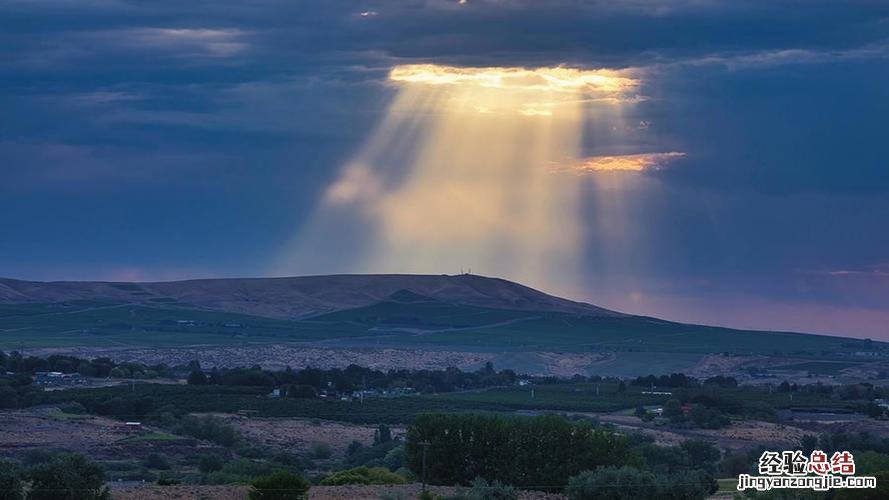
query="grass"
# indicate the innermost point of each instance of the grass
(640, 343)
(728, 485)
(151, 437)
(561, 397)
(68, 417)
(821, 367)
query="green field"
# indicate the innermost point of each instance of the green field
(147, 399)
(427, 325)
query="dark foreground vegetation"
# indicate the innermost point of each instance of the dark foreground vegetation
(463, 429)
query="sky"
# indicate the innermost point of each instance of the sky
(710, 161)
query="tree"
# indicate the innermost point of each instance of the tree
(302, 391)
(363, 475)
(611, 483)
(157, 461)
(281, 485)
(11, 485)
(673, 410)
(353, 447)
(197, 377)
(708, 418)
(701, 454)
(68, 477)
(521, 451)
(383, 434)
(627, 483)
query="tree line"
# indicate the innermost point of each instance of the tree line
(353, 378)
(552, 453)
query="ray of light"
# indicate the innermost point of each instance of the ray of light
(458, 175)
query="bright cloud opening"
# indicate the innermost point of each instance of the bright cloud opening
(621, 163)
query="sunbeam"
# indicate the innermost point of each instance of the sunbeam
(459, 174)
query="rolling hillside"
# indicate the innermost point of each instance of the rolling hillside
(469, 313)
(298, 297)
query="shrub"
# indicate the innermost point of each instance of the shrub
(167, 481)
(383, 434)
(157, 461)
(68, 477)
(209, 428)
(353, 447)
(280, 485)
(321, 451)
(483, 490)
(372, 456)
(197, 377)
(363, 475)
(396, 458)
(210, 463)
(627, 483)
(610, 483)
(11, 484)
(240, 471)
(708, 418)
(72, 407)
(302, 391)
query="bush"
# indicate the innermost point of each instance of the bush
(38, 456)
(72, 407)
(483, 490)
(708, 418)
(373, 456)
(197, 377)
(209, 428)
(167, 481)
(11, 484)
(363, 475)
(281, 485)
(157, 461)
(701, 454)
(353, 447)
(396, 458)
(68, 477)
(302, 391)
(321, 451)
(240, 471)
(383, 434)
(610, 483)
(210, 463)
(627, 483)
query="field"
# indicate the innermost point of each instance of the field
(301, 434)
(143, 399)
(352, 492)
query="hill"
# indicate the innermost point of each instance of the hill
(515, 324)
(299, 297)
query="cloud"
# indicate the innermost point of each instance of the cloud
(185, 42)
(875, 271)
(619, 163)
